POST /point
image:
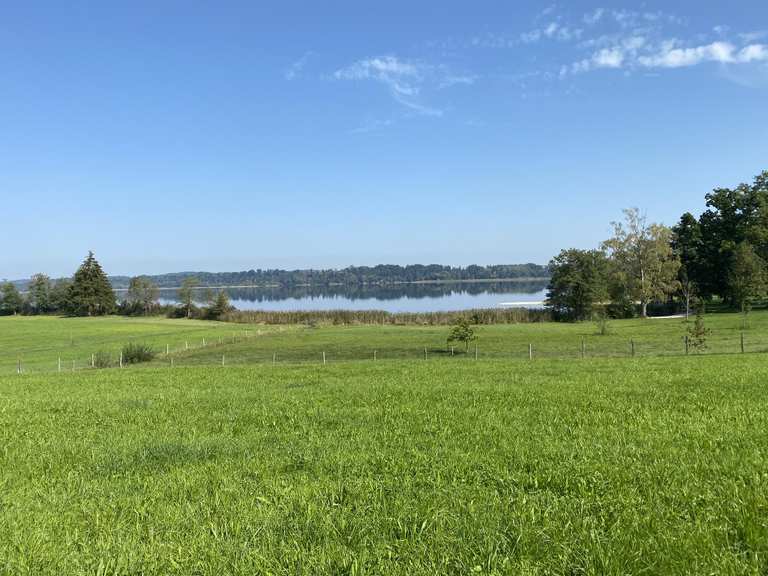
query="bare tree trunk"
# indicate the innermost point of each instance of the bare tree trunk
(644, 309)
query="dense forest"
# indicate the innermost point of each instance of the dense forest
(382, 274)
(351, 276)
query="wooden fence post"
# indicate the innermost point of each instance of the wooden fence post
(742, 342)
(18, 367)
(530, 351)
(59, 363)
(222, 359)
(425, 352)
(93, 361)
(374, 355)
(121, 359)
(632, 346)
(323, 357)
(686, 345)
(475, 351)
(583, 348)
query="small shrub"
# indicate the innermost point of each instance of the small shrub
(102, 359)
(135, 353)
(461, 332)
(602, 325)
(698, 332)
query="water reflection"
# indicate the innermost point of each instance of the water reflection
(392, 298)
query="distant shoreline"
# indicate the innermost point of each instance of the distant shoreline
(336, 284)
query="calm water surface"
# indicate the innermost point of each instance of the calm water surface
(398, 298)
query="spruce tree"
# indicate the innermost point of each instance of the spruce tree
(90, 293)
(219, 306)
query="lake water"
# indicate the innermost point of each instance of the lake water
(395, 298)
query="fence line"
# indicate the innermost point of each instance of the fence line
(188, 355)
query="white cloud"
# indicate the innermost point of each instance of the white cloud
(552, 31)
(609, 58)
(403, 78)
(594, 17)
(753, 36)
(406, 80)
(720, 52)
(294, 70)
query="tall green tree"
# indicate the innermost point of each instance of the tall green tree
(39, 294)
(578, 283)
(219, 305)
(687, 246)
(59, 295)
(90, 293)
(187, 294)
(642, 257)
(746, 277)
(732, 216)
(142, 295)
(11, 301)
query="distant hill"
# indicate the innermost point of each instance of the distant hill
(353, 275)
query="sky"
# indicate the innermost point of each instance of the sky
(170, 136)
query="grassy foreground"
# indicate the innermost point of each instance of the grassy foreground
(612, 466)
(40, 341)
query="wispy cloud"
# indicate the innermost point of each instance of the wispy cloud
(721, 52)
(629, 39)
(406, 80)
(297, 67)
(636, 52)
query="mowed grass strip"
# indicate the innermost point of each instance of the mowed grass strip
(615, 466)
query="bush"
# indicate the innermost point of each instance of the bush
(102, 359)
(135, 353)
(602, 325)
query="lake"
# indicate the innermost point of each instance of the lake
(433, 297)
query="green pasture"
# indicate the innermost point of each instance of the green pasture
(606, 466)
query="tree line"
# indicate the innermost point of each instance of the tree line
(350, 276)
(720, 256)
(89, 293)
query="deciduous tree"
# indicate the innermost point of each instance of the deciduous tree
(578, 282)
(643, 259)
(10, 299)
(746, 277)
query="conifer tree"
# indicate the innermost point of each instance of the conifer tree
(219, 305)
(90, 293)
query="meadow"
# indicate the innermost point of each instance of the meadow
(39, 341)
(602, 466)
(277, 463)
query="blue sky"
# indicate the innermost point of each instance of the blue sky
(187, 135)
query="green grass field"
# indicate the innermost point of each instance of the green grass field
(40, 341)
(609, 466)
